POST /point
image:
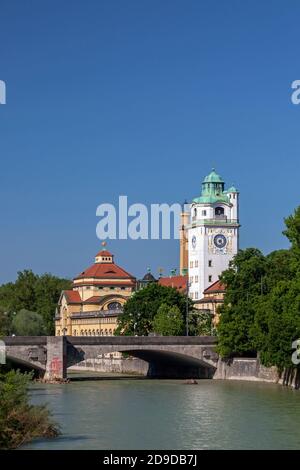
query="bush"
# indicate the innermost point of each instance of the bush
(21, 422)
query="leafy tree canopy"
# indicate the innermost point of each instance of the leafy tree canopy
(33, 293)
(168, 321)
(26, 323)
(141, 308)
(261, 311)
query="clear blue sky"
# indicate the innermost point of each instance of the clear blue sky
(142, 98)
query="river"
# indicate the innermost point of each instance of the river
(128, 413)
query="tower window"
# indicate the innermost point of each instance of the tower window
(195, 212)
(209, 278)
(196, 295)
(219, 211)
(210, 263)
(203, 212)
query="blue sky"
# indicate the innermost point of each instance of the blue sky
(142, 98)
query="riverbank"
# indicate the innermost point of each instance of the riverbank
(248, 369)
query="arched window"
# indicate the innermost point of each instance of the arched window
(106, 333)
(195, 212)
(75, 333)
(219, 211)
(93, 332)
(85, 332)
(101, 332)
(110, 333)
(114, 306)
(97, 332)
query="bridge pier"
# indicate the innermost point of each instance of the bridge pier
(56, 365)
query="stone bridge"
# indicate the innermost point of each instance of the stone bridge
(167, 356)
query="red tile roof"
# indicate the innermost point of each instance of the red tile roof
(72, 296)
(215, 287)
(95, 299)
(105, 271)
(178, 282)
(103, 253)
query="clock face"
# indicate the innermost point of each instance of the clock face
(220, 240)
(194, 241)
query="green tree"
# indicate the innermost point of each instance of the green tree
(200, 323)
(243, 281)
(141, 308)
(20, 422)
(277, 323)
(34, 293)
(5, 322)
(47, 292)
(261, 311)
(168, 321)
(27, 323)
(292, 231)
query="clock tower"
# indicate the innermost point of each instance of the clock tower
(212, 232)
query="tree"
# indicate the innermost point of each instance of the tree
(168, 321)
(292, 231)
(200, 323)
(47, 292)
(243, 281)
(27, 323)
(141, 308)
(277, 323)
(20, 421)
(34, 293)
(5, 322)
(261, 311)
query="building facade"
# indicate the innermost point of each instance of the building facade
(213, 298)
(212, 233)
(92, 306)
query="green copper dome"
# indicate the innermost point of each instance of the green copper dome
(232, 189)
(213, 177)
(212, 190)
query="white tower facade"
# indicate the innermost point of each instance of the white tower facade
(213, 233)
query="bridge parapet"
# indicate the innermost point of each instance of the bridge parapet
(53, 354)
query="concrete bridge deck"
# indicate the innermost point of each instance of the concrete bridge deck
(166, 355)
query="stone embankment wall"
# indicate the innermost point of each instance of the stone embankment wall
(130, 365)
(245, 369)
(251, 369)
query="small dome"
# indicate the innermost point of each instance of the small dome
(232, 189)
(213, 177)
(149, 277)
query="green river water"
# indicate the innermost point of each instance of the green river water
(128, 413)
